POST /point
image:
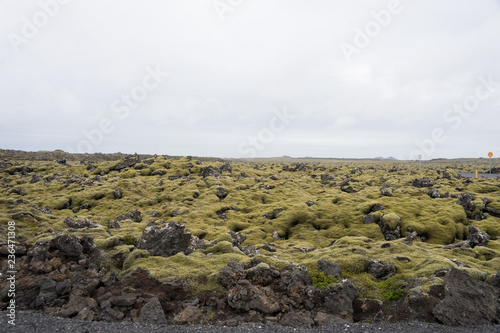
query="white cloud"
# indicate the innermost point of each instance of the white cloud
(227, 76)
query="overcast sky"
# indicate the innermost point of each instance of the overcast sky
(244, 78)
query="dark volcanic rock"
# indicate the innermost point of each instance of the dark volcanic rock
(381, 270)
(232, 273)
(85, 223)
(238, 238)
(384, 191)
(128, 162)
(477, 237)
(467, 301)
(434, 193)
(423, 182)
(375, 208)
(495, 280)
(210, 171)
(69, 246)
(390, 234)
(134, 215)
(165, 241)
(222, 193)
(47, 293)
(227, 168)
(152, 313)
(330, 268)
(190, 315)
(245, 296)
(117, 193)
(336, 299)
(466, 200)
(195, 244)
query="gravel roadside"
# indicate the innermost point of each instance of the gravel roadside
(32, 322)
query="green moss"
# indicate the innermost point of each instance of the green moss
(334, 216)
(134, 255)
(392, 288)
(223, 247)
(365, 285)
(392, 220)
(108, 243)
(225, 238)
(320, 279)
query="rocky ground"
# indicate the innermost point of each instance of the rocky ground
(32, 322)
(253, 246)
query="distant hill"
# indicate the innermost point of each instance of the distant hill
(384, 158)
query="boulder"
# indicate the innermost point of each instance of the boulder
(467, 301)
(195, 244)
(128, 162)
(152, 313)
(123, 300)
(79, 224)
(47, 293)
(238, 238)
(466, 200)
(190, 315)
(117, 193)
(434, 193)
(477, 237)
(375, 208)
(423, 182)
(231, 274)
(165, 241)
(227, 168)
(69, 246)
(84, 283)
(244, 297)
(326, 178)
(222, 193)
(495, 280)
(262, 274)
(330, 268)
(250, 250)
(389, 232)
(380, 269)
(210, 171)
(336, 299)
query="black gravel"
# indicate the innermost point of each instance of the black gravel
(32, 322)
